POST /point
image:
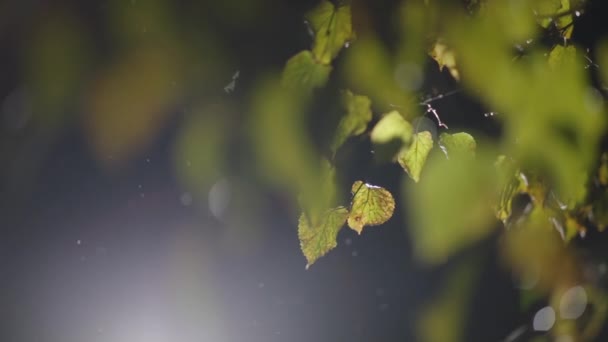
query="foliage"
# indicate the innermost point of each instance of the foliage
(552, 119)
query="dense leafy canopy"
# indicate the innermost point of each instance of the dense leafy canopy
(551, 116)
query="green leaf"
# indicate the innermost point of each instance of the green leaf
(459, 144)
(391, 127)
(560, 55)
(412, 160)
(371, 206)
(302, 71)
(332, 27)
(358, 115)
(316, 239)
(445, 57)
(451, 206)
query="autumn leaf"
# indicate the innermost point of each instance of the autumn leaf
(318, 238)
(371, 206)
(412, 160)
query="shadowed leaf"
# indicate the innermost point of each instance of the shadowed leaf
(301, 71)
(332, 27)
(358, 115)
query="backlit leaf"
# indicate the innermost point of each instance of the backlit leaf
(412, 160)
(371, 206)
(318, 239)
(302, 71)
(332, 27)
(459, 144)
(358, 115)
(445, 57)
(391, 127)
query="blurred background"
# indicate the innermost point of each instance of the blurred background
(131, 204)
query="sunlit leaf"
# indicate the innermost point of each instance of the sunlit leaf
(412, 160)
(391, 127)
(451, 206)
(332, 27)
(444, 56)
(459, 144)
(358, 115)
(302, 71)
(371, 206)
(318, 239)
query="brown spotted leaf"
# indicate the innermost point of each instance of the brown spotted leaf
(371, 206)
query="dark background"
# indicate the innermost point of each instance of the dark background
(88, 254)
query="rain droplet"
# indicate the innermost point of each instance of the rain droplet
(78, 242)
(573, 303)
(186, 199)
(346, 45)
(544, 319)
(219, 198)
(577, 13)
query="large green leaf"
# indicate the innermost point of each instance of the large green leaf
(458, 144)
(451, 206)
(358, 115)
(371, 206)
(332, 27)
(412, 160)
(318, 239)
(302, 71)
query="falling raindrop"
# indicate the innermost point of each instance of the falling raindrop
(219, 198)
(186, 199)
(544, 319)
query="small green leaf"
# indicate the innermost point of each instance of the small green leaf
(459, 144)
(332, 27)
(391, 127)
(318, 238)
(412, 160)
(445, 57)
(371, 206)
(560, 55)
(358, 115)
(301, 71)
